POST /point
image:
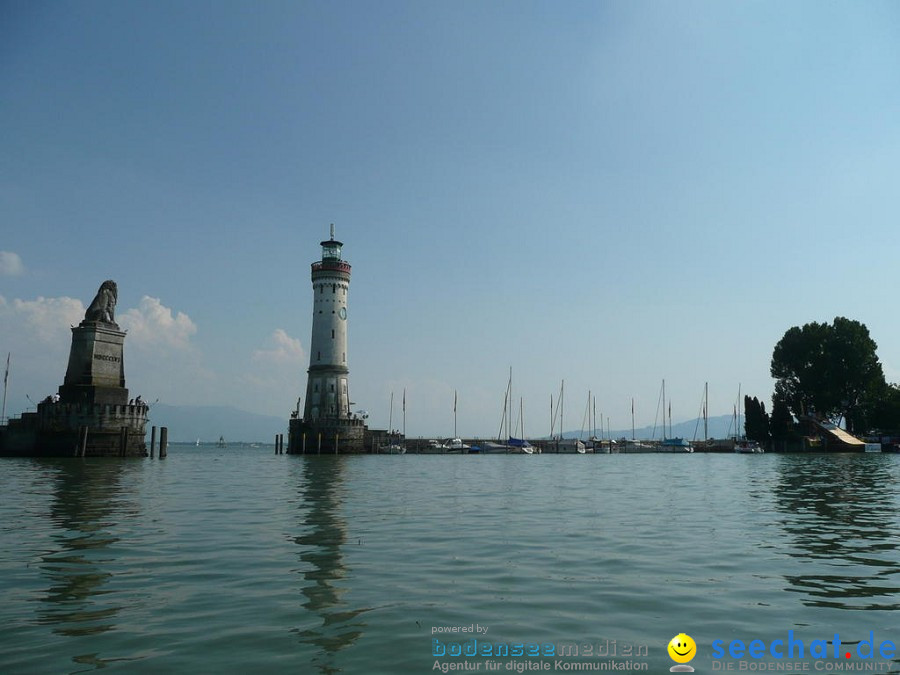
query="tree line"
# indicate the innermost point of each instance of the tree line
(831, 372)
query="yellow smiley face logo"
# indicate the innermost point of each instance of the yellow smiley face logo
(682, 648)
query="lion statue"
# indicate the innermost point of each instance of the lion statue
(103, 308)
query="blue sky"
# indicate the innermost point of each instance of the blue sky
(610, 193)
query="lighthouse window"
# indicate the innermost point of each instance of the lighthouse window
(334, 288)
(317, 387)
(318, 356)
(332, 387)
(332, 333)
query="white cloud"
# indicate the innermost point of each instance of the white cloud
(281, 350)
(48, 318)
(276, 376)
(11, 264)
(152, 323)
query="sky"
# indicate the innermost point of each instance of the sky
(609, 194)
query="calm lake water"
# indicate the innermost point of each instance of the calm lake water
(235, 561)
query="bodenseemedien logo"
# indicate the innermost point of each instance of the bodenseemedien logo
(682, 649)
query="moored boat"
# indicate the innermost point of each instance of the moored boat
(743, 446)
(674, 445)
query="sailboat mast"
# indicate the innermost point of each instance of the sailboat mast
(509, 408)
(664, 408)
(404, 413)
(5, 385)
(562, 407)
(632, 418)
(522, 416)
(587, 414)
(706, 411)
(454, 413)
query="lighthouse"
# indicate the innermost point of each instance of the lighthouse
(328, 425)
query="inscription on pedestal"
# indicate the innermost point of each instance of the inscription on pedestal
(96, 371)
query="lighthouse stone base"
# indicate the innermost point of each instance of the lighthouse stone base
(326, 436)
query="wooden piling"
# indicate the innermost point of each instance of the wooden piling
(163, 442)
(304, 442)
(276, 444)
(336, 437)
(319, 449)
(84, 440)
(152, 441)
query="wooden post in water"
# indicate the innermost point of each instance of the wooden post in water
(319, 449)
(163, 442)
(304, 442)
(124, 442)
(276, 444)
(84, 439)
(336, 436)
(152, 442)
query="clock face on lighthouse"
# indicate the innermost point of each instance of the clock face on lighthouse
(342, 312)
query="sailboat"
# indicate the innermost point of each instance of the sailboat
(671, 444)
(741, 443)
(394, 448)
(594, 444)
(454, 444)
(520, 445)
(563, 445)
(221, 443)
(507, 442)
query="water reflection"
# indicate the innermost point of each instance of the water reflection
(324, 535)
(85, 510)
(841, 514)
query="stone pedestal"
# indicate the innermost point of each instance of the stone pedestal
(96, 371)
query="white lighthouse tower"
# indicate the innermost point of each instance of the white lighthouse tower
(327, 424)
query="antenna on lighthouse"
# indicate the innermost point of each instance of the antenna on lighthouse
(332, 231)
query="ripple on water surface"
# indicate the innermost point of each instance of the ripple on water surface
(240, 560)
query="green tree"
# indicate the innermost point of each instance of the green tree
(781, 424)
(756, 421)
(831, 369)
(884, 413)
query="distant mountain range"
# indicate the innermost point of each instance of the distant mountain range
(719, 427)
(187, 423)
